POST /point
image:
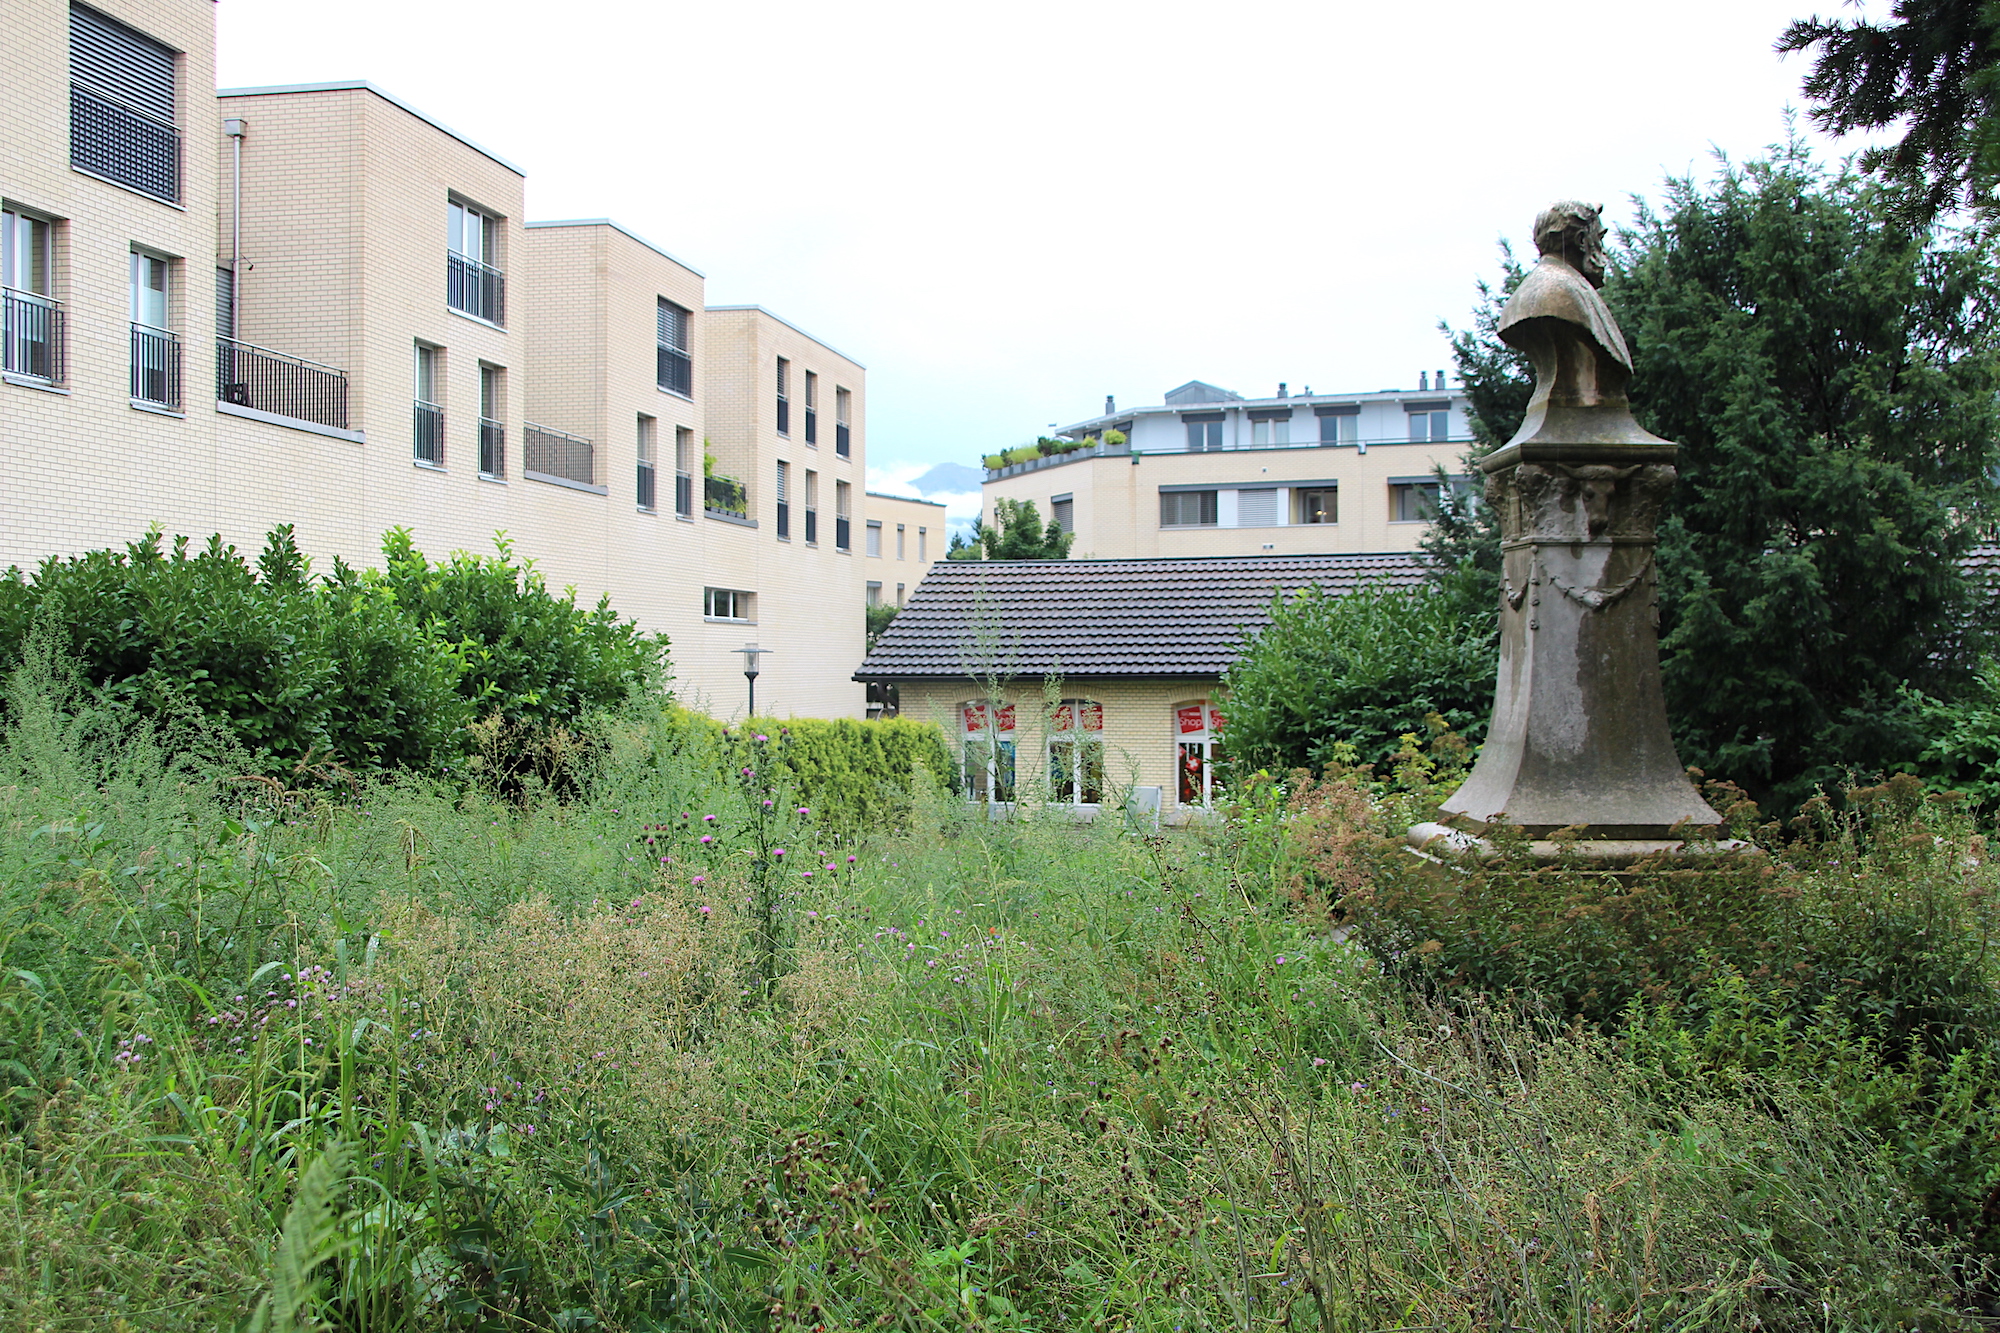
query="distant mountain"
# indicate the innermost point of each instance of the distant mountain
(949, 478)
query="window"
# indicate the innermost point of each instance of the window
(1204, 431)
(649, 448)
(31, 325)
(1076, 752)
(1270, 430)
(156, 352)
(492, 434)
(875, 539)
(784, 501)
(1339, 427)
(1198, 734)
(986, 741)
(1316, 504)
(1413, 501)
(923, 544)
(473, 284)
(899, 541)
(812, 408)
(812, 507)
(727, 604)
(874, 593)
(784, 397)
(841, 491)
(122, 106)
(843, 403)
(1257, 508)
(899, 594)
(1187, 509)
(1062, 512)
(428, 427)
(676, 365)
(1431, 425)
(684, 472)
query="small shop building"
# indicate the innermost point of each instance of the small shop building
(1092, 682)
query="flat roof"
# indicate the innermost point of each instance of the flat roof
(793, 327)
(1262, 404)
(906, 499)
(362, 85)
(622, 231)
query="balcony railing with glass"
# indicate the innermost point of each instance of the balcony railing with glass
(156, 367)
(725, 497)
(119, 144)
(31, 335)
(427, 430)
(676, 371)
(646, 485)
(480, 290)
(285, 386)
(492, 448)
(556, 454)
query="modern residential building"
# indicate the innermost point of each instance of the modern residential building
(1209, 472)
(317, 305)
(903, 537)
(1092, 682)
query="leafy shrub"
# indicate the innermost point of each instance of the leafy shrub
(1963, 753)
(1359, 670)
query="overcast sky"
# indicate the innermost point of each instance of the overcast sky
(1007, 212)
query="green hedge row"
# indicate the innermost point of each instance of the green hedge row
(853, 775)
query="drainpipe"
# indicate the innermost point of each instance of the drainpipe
(233, 127)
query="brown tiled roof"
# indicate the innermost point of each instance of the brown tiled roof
(1183, 617)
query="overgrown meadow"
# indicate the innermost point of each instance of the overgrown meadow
(677, 1051)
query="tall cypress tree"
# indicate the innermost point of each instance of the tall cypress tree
(1832, 380)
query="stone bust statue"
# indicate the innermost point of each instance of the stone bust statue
(1559, 320)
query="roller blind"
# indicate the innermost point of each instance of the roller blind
(127, 67)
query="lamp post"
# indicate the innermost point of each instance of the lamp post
(750, 653)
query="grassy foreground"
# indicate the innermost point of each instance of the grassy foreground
(412, 1059)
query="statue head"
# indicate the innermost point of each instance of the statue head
(1572, 232)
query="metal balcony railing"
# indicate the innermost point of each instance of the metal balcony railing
(784, 518)
(784, 416)
(812, 527)
(286, 386)
(31, 335)
(676, 371)
(725, 495)
(684, 494)
(492, 448)
(477, 289)
(156, 366)
(121, 145)
(427, 430)
(841, 437)
(557, 453)
(842, 531)
(646, 482)
(812, 426)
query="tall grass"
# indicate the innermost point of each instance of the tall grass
(423, 1060)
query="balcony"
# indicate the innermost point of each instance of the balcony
(476, 289)
(676, 371)
(284, 386)
(122, 146)
(841, 438)
(646, 486)
(156, 367)
(492, 448)
(724, 497)
(31, 335)
(558, 456)
(427, 430)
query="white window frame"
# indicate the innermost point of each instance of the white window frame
(1197, 741)
(1076, 753)
(989, 756)
(729, 605)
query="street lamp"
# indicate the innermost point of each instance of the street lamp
(750, 653)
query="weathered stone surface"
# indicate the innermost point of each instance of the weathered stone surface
(1579, 733)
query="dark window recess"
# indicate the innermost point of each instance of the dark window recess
(1187, 509)
(676, 368)
(784, 518)
(283, 385)
(784, 416)
(812, 526)
(840, 533)
(492, 448)
(156, 367)
(812, 426)
(1203, 436)
(683, 495)
(841, 436)
(645, 485)
(557, 453)
(477, 289)
(121, 106)
(31, 335)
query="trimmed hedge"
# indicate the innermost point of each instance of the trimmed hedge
(852, 774)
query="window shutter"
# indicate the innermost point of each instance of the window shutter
(127, 67)
(1257, 509)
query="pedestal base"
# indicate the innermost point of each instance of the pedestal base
(1596, 853)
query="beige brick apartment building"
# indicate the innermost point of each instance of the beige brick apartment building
(368, 334)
